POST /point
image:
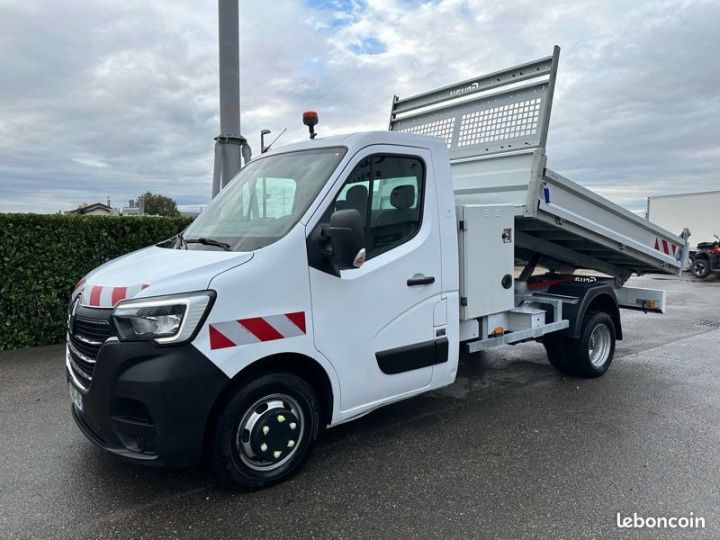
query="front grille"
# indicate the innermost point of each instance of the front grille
(94, 329)
(85, 337)
(86, 346)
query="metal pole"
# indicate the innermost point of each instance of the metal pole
(229, 67)
(230, 145)
(217, 168)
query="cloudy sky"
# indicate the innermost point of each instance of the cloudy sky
(119, 97)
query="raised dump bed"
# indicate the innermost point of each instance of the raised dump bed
(495, 127)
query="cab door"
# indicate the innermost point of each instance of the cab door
(375, 323)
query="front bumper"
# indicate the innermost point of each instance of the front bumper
(149, 404)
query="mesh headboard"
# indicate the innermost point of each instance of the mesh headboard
(502, 112)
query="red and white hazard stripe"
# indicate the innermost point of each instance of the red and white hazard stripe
(106, 297)
(77, 289)
(663, 246)
(256, 329)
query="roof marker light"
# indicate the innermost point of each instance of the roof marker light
(310, 119)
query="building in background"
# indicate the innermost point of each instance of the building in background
(135, 207)
(699, 212)
(132, 208)
(95, 209)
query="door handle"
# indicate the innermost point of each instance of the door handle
(419, 279)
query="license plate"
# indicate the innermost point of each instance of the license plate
(76, 397)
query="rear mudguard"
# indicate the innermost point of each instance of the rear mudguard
(594, 296)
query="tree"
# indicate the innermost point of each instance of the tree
(159, 205)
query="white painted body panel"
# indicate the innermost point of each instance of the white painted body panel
(163, 271)
(371, 309)
(486, 257)
(499, 179)
(275, 282)
(637, 298)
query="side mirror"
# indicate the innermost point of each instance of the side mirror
(347, 238)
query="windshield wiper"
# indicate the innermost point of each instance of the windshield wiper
(206, 242)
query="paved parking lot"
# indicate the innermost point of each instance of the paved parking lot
(511, 450)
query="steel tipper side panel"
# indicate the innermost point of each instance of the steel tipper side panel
(596, 228)
(495, 127)
(497, 179)
(564, 221)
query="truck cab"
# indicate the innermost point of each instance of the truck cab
(161, 340)
(340, 274)
(370, 323)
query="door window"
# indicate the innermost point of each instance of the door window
(387, 191)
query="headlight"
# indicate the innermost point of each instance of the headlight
(165, 319)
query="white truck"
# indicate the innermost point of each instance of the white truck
(340, 274)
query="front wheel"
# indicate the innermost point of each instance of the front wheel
(591, 354)
(700, 268)
(266, 431)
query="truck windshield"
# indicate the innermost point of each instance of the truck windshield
(265, 200)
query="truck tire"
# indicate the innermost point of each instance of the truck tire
(555, 349)
(266, 431)
(588, 356)
(700, 268)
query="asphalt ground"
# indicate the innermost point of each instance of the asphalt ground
(511, 450)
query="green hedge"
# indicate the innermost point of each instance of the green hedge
(43, 256)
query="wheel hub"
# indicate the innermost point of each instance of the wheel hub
(275, 435)
(270, 432)
(599, 345)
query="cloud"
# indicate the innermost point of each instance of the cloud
(90, 162)
(119, 97)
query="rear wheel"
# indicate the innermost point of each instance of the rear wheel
(588, 356)
(555, 349)
(266, 431)
(700, 268)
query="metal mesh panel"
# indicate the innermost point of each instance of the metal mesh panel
(499, 123)
(438, 128)
(505, 111)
